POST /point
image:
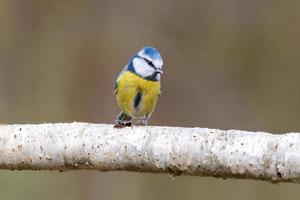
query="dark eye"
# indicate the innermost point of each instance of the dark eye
(149, 62)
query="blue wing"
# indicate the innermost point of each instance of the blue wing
(117, 80)
(116, 87)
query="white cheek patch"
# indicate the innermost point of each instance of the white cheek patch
(142, 68)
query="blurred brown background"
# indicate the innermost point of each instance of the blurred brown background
(228, 64)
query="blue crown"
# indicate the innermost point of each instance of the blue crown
(151, 52)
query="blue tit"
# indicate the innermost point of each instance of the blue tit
(137, 87)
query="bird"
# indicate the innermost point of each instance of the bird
(137, 87)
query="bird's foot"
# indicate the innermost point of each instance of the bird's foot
(142, 122)
(123, 125)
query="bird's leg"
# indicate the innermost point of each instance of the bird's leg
(123, 120)
(143, 121)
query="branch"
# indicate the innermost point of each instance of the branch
(171, 150)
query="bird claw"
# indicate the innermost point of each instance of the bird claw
(142, 122)
(123, 125)
(129, 124)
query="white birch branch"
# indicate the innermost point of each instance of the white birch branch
(171, 150)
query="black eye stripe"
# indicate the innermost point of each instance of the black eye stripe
(149, 62)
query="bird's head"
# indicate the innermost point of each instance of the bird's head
(147, 63)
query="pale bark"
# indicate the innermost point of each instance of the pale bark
(170, 150)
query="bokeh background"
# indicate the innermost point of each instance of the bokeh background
(228, 64)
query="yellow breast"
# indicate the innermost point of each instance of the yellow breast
(129, 85)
